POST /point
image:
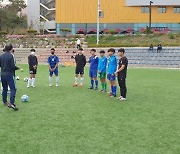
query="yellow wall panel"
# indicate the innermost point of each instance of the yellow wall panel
(115, 11)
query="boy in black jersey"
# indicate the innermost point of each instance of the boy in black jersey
(121, 74)
(80, 60)
(33, 63)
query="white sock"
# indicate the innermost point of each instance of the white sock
(33, 82)
(82, 81)
(29, 82)
(57, 79)
(50, 80)
(76, 80)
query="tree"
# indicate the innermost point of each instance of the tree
(9, 18)
(17, 5)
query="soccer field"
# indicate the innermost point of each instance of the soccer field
(67, 120)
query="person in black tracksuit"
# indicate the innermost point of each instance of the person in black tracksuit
(80, 60)
(122, 73)
(33, 63)
(8, 68)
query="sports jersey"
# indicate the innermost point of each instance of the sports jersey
(80, 61)
(53, 61)
(93, 60)
(112, 65)
(32, 60)
(102, 64)
(123, 61)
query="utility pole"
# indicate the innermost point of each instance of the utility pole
(150, 14)
(98, 20)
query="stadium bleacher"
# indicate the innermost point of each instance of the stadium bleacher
(138, 57)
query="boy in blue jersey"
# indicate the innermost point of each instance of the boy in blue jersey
(93, 60)
(102, 70)
(53, 62)
(112, 67)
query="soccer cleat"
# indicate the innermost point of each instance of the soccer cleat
(123, 99)
(81, 85)
(34, 86)
(110, 94)
(50, 85)
(119, 97)
(6, 104)
(90, 88)
(57, 85)
(75, 85)
(96, 88)
(28, 86)
(113, 96)
(13, 106)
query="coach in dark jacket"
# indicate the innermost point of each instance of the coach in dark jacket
(8, 68)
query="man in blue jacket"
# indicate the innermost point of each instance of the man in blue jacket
(8, 68)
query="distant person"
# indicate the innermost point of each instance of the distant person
(80, 60)
(112, 67)
(102, 65)
(8, 69)
(122, 73)
(53, 62)
(151, 48)
(33, 63)
(159, 47)
(93, 69)
(78, 42)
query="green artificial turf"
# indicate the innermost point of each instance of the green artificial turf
(67, 120)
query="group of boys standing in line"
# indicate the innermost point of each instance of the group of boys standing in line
(98, 65)
(104, 66)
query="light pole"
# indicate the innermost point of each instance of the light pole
(150, 14)
(98, 20)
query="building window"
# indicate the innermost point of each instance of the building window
(176, 9)
(162, 9)
(144, 9)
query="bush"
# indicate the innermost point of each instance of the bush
(148, 30)
(32, 31)
(171, 36)
(3, 33)
(65, 31)
(111, 31)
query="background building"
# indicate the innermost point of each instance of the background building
(41, 15)
(77, 15)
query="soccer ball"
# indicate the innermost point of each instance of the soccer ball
(26, 79)
(25, 98)
(17, 78)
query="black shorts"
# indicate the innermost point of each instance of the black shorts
(32, 70)
(79, 71)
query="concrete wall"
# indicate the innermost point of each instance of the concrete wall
(33, 14)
